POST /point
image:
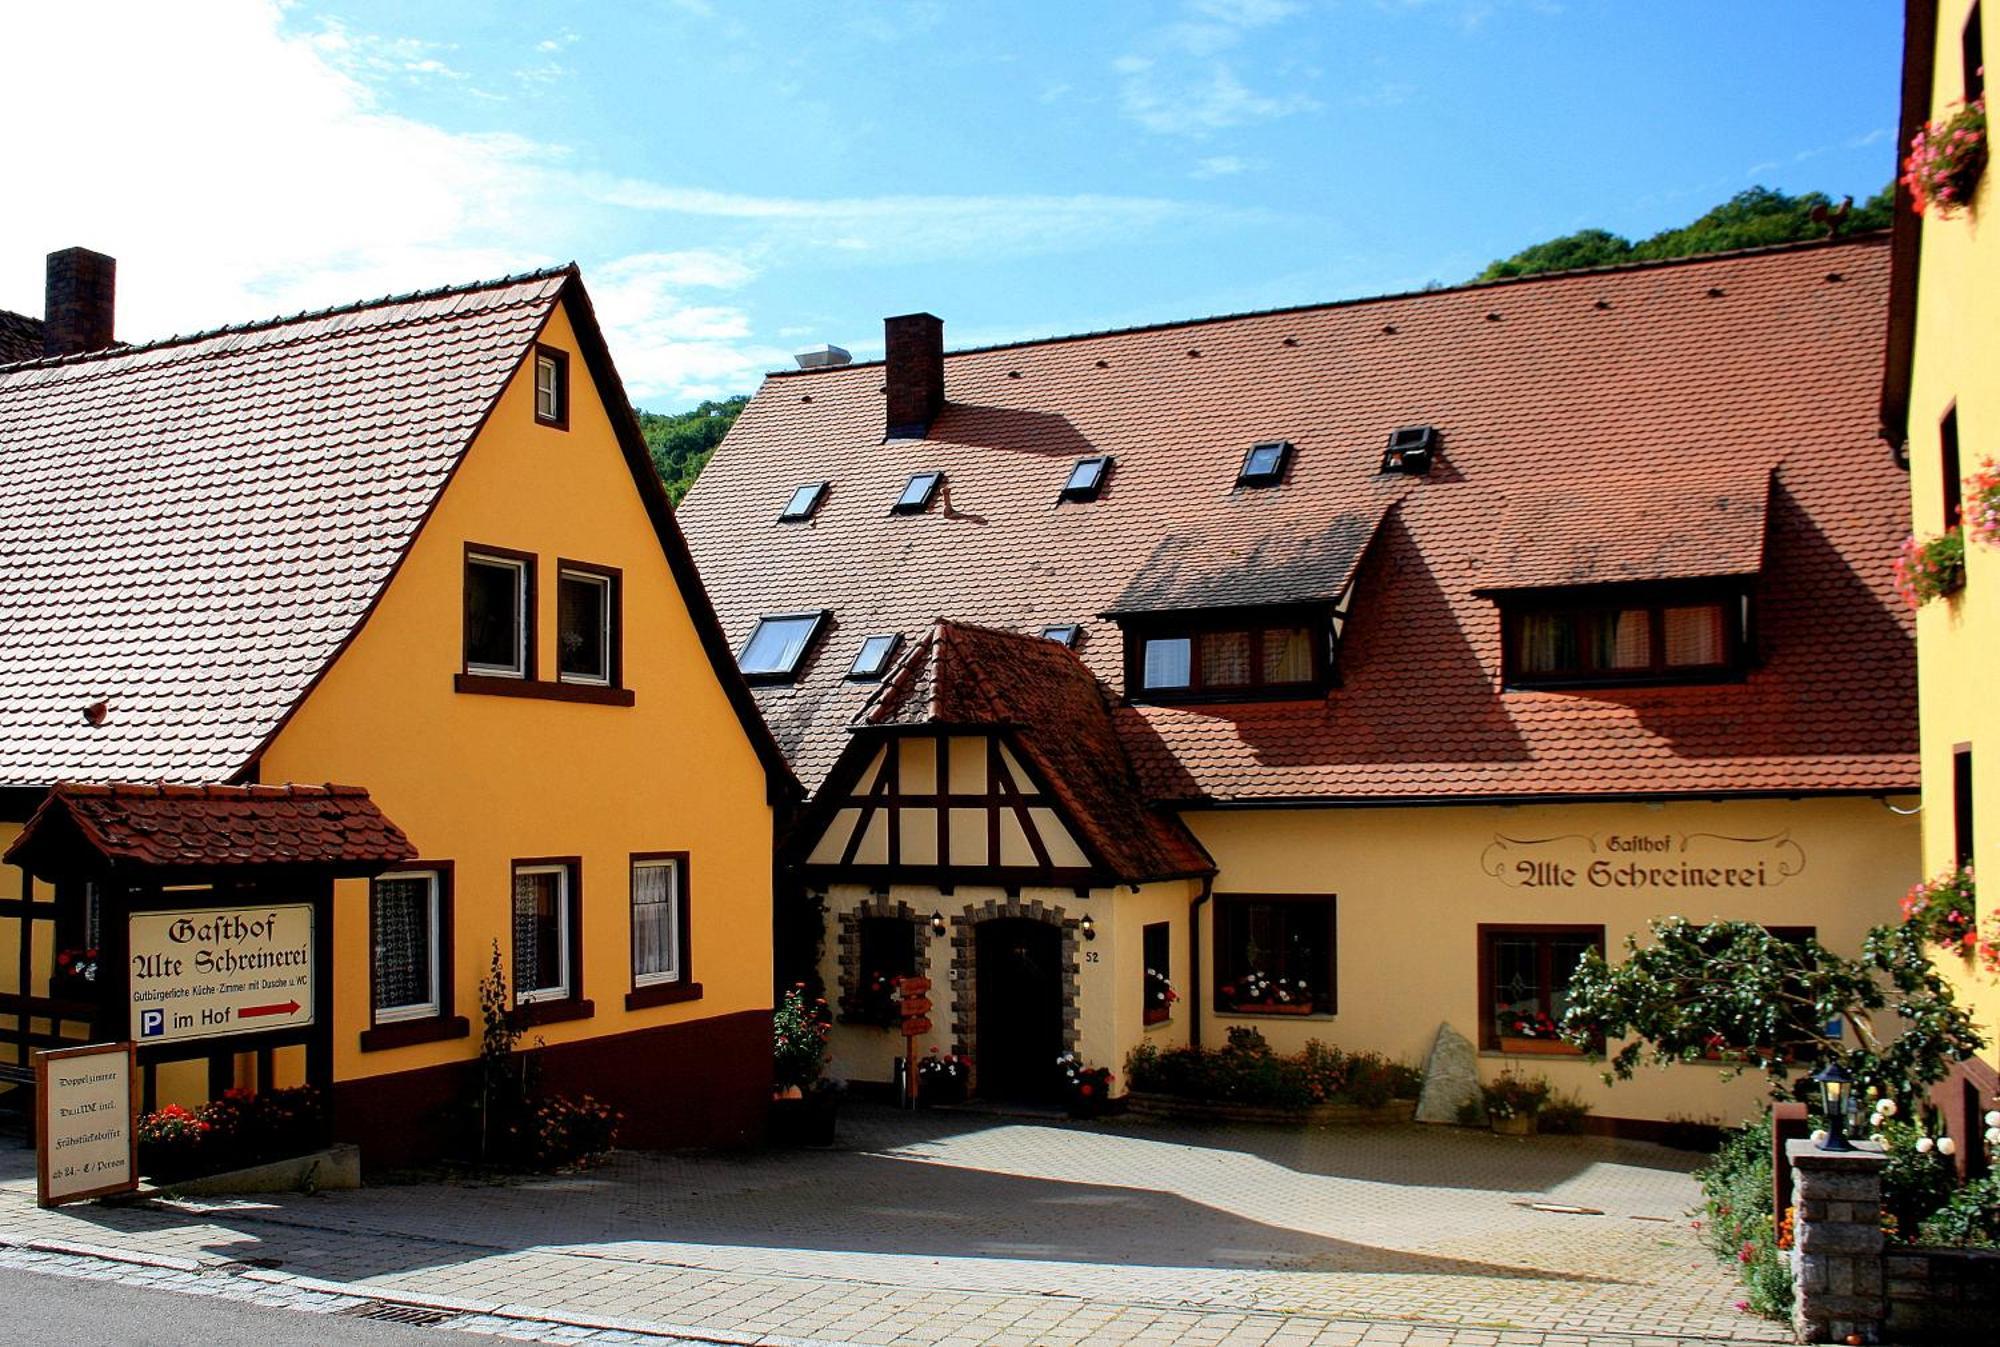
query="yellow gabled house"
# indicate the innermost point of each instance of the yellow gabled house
(1941, 407)
(414, 546)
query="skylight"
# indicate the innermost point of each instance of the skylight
(1265, 464)
(917, 493)
(1410, 450)
(872, 660)
(1063, 633)
(804, 501)
(778, 645)
(1086, 479)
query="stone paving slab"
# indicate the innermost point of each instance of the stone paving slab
(926, 1229)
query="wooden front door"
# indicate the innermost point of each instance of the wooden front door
(1019, 1015)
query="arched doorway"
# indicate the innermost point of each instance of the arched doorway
(1020, 1026)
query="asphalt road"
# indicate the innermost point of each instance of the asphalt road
(44, 1310)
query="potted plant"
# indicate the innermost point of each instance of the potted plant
(1257, 992)
(1982, 504)
(75, 975)
(1946, 160)
(1086, 1089)
(1931, 568)
(1512, 1103)
(941, 1078)
(1944, 910)
(1160, 997)
(803, 1106)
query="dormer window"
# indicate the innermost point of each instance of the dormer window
(552, 387)
(804, 501)
(1086, 478)
(1242, 655)
(778, 646)
(1265, 464)
(1578, 639)
(872, 660)
(917, 492)
(1063, 634)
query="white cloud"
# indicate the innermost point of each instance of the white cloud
(1220, 166)
(1180, 83)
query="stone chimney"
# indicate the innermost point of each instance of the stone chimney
(76, 314)
(915, 373)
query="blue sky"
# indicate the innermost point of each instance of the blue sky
(740, 179)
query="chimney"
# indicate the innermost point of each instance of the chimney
(76, 314)
(915, 383)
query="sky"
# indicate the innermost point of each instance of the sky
(741, 179)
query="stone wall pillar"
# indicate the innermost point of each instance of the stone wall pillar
(1837, 1242)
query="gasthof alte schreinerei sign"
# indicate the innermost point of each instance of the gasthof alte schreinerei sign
(86, 1142)
(217, 971)
(1664, 861)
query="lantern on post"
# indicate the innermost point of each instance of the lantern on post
(1836, 1099)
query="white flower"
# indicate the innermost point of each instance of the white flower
(1946, 1146)
(1878, 1138)
(1993, 1136)
(1924, 1145)
(1819, 1136)
(1993, 1118)
(1886, 1108)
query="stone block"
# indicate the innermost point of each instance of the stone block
(1451, 1078)
(1817, 1187)
(1840, 1239)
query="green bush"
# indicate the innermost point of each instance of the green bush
(1249, 1072)
(1562, 1115)
(1971, 1217)
(1737, 1219)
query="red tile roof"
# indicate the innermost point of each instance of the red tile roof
(174, 827)
(1668, 377)
(1055, 714)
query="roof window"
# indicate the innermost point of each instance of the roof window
(872, 660)
(1410, 451)
(804, 501)
(1086, 479)
(778, 646)
(1265, 464)
(917, 492)
(1063, 634)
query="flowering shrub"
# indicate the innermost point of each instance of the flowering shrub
(75, 972)
(798, 1039)
(942, 1077)
(1930, 568)
(1255, 989)
(173, 1143)
(1088, 1087)
(564, 1132)
(1981, 507)
(1736, 1218)
(1512, 1096)
(1528, 1024)
(240, 1129)
(1944, 910)
(1945, 160)
(1248, 1072)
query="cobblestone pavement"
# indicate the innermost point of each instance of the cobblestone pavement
(961, 1229)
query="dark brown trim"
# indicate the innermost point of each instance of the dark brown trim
(495, 685)
(1489, 1036)
(1906, 237)
(1327, 1005)
(819, 617)
(438, 1026)
(662, 994)
(551, 1012)
(614, 620)
(1201, 804)
(409, 1033)
(543, 1011)
(560, 359)
(683, 921)
(529, 599)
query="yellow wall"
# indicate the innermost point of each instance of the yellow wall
(482, 780)
(1956, 358)
(1413, 885)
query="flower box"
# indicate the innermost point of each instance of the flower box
(1271, 1008)
(1520, 1125)
(1547, 1047)
(1155, 1015)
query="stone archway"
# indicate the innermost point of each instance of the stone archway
(965, 968)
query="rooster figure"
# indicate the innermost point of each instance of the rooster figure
(1833, 217)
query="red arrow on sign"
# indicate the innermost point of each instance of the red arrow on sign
(252, 1012)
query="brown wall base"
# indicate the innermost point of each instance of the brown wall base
(1686, 1136)
(705, 1083)
(1963, 1099)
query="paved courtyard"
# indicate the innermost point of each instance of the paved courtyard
(971, 1229)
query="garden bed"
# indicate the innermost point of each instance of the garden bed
(1149, 1105)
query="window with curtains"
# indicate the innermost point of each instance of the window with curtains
(658, 922)
(406, 930)
(1220, 656)
(1274, 954)
(544, 932)
(1653, 641)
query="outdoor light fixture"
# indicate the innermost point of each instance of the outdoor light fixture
(937, 923)
(1089, 927)
(1836, 1096)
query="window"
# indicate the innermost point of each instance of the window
(1615, 642)
(1274, 954)
(499, 613)
(1155, 947)
(917, 492)
(1971, 49)
(1952, 473)
(659, 920)
(1961, 804)
(1524, 974)
(552, 387)
(408, 959)
(1247, 656)
(587, 620)
(545, 931)
(804, 501)
(1086, 479)
(872, 660)
(778, 646)
(1265, 464)
(1063, 633)
(888, 951)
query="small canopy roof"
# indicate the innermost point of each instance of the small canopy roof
(182, 828)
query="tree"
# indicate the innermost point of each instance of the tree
(1753, 218)
(1734, 990)
(681, 442)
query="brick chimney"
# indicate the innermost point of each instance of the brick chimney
(915, 379)
(76, 314)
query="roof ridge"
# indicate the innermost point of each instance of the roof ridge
(285, 320)
(1878, 237)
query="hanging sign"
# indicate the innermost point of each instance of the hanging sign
(217, 971)
(86, 1144)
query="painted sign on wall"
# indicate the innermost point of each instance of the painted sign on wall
(234, 970)
(1677, 862)
(86, 1143)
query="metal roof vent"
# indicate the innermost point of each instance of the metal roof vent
(1411, 449)
(823, 357)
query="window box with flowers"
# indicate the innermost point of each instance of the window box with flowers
(1258, 993)
(1946, 159)
(1981, 504)
(1160, 998)
(1945, 911)
(1931, 568)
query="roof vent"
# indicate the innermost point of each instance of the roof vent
(1411, 449)
(822, 357)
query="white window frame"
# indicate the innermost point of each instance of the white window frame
(553, 389)
(789, 672)
(434, 1007)
(676, 895)
(603, 583)
(562, 990)
(519, 668)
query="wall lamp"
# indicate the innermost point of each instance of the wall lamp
(1089, 927)
(937, 923)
